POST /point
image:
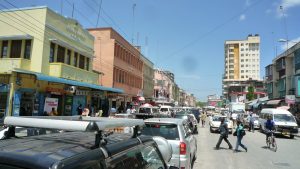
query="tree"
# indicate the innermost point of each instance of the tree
(250, 94)
(200, 104)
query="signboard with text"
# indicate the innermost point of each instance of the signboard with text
(50, 103)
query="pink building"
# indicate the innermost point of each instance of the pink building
(120, 63)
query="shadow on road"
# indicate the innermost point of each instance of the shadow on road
(266, 147)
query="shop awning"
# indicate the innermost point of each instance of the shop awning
(273, 102)
(43, 77)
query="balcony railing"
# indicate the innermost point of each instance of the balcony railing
(8, 64)
(73, 73)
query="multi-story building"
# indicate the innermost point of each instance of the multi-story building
(163, 86)
(282, 75)
(120, 63)
(148, 79)
(45, 62)
(242, 62)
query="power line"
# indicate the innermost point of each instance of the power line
(215, 28)
(100, 6)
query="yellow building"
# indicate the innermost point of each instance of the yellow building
(45, 62)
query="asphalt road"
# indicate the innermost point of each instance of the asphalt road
(257, 157)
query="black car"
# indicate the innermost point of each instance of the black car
(79, 150)
(196, 113)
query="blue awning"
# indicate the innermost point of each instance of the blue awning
(44, 77)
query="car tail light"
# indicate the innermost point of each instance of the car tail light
(182, 148)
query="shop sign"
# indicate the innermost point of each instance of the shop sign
(97, 94)
(50, 103)
(55, 91)
(82, 92)
(75, 32)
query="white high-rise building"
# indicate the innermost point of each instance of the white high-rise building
(242, 62)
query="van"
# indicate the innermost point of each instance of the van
(285, 122)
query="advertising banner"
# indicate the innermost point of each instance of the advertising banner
(50, 103)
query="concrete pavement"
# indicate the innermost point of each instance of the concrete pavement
(257, 157)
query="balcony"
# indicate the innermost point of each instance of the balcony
(73, 73)
(8, 64)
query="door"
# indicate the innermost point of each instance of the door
(77, 100)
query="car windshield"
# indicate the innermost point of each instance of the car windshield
(145, 110)
(164, 109)
(283, 118)
(168, 131)
(218, 118)
(181, 116)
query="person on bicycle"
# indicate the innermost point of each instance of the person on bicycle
(269, 126)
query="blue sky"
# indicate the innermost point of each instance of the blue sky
(187, 36)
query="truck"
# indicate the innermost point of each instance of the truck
(236, 107)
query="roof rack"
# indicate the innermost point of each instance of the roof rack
(75, 123)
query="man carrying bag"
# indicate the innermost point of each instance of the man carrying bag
(223, 134)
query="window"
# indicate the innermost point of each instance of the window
(4, 49)
(75, 59)
(242, 77)
(242, 54)
(68, 61)
(242, 49)
(81, 62)
(52, 52)
(242, 65)
(61, 54)
(230, 50)
(242, 71)
(87, 63)
(16, 46)
(27, 49)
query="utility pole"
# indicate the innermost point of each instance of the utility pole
(133, 23)
(285, 29)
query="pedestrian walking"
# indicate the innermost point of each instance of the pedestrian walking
(251, 123)
(79, 109)
(223, 134)
(240, 133)
(203, 118)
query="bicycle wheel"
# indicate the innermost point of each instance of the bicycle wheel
(274, 145)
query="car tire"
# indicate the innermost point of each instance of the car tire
(210, 129)
(260, 129)
(292, 136)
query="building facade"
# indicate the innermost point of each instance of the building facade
(148, 79)
(242, 62)
(46, 62)
(120, 63)
(282, 76)
(163, 87)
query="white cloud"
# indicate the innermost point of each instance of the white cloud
(194, 77)
(242, 17)
(290, 43)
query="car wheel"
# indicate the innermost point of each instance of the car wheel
(211, 130)
(292, 136)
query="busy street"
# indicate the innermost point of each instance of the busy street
(149, 84)
(259, 156)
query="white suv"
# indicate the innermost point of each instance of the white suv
(179, 135)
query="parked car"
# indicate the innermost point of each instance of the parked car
(83, 148)
(190, 118)
(165, 111)
(215, 122)
(147, 111)
(256, 122)
(179, 135)
(285, 122)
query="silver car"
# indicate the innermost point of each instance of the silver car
(179, 136)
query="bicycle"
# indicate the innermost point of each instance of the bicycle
(271, 142)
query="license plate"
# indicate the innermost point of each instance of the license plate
(286, 132)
